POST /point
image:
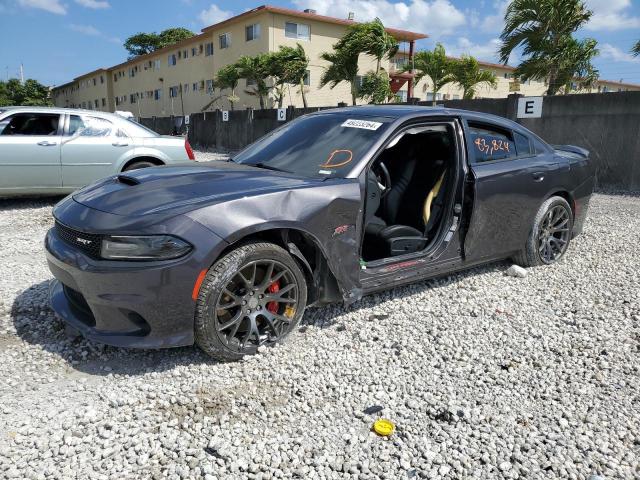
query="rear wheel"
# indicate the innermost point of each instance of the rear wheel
(550, 234)
(255, 295)
(139, 164)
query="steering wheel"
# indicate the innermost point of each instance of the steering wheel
(384, 179)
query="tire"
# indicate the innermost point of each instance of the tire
(554, 212)
(226, 294)
(139, 164)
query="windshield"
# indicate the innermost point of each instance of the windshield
(326, 145)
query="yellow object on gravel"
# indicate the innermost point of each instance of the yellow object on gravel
(383, 427)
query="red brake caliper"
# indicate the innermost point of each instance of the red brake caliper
(273, 288)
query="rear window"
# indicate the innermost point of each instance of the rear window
(135, 129)
(490, 144)
(523, 144)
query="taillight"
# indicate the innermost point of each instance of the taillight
(189, 150)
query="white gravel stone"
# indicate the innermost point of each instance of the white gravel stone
(516, 271)
(484, 377)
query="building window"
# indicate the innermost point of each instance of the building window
(208, 49)
(96, 103)
(200, 51)
(299, 31)
(250, 82)
(201, 85)
(185, 53)
(104, 102)
(173, 92)
(132, 98)
(172, 59)
(94, 82)
(194, 51)
(115, 77)
(306, 80)
(209, 86)
(195, 86)
(101, 79)
(157, 94)
(252, 32)
(132, 72)
(225, 40)
(402, 95)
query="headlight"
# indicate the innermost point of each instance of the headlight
(147, 247)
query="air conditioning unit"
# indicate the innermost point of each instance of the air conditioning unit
(309, 10)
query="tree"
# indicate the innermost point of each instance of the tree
(544, 29)
(467, 74)
(289, 66)
(575, 67)
(370, 38)
(343, 67)
(435, 65)
(376, 87)
(635, 51)
(143, 43)
(31, 93)
(255, 69)
(227, 79)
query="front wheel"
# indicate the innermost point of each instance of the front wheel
(255, 295)
(550, 234)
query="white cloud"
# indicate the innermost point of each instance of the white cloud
(614, 53)
(433, 17)
(494, 23)
(92, 31)
(94, 4)
(214, 14)
(611, 15)
(52, 6)
(483, 51)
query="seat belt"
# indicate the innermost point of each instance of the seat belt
(426, 211)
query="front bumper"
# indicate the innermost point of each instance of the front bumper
(130, 304)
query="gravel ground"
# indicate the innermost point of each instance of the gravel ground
(485, 375)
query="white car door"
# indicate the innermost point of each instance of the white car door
(91, 149)
(30, 152)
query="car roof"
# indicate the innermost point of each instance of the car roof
(59, 110)
(401, 112)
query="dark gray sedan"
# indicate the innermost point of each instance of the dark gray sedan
(329, 207)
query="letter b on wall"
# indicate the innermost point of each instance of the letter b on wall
(530, 107)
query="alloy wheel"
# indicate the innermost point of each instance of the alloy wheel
(257, 305)
(553, 234)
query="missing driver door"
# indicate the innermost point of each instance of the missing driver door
(426, 164)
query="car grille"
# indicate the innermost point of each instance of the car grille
(89, 243)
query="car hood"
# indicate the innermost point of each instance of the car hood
(181, 189)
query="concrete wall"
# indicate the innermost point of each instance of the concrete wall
(608, 125)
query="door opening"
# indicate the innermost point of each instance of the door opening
(407, 187)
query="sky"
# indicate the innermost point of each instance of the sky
(57, 40)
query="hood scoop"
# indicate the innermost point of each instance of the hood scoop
(127, 180)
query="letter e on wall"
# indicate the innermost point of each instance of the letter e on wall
(530, 107)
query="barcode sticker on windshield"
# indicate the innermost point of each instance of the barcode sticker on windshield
(366, 124)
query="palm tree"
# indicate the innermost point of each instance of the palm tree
(370, 38)
(435, 65)
(635, 51)
(543, 28)
(466, 72)
(289, 66)
(256, 70)
(575, 67)
(343, 67)
(227, 78)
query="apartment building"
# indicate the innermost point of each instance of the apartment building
(506, 84)
(179, 79)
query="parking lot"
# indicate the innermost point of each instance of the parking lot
(484, 375)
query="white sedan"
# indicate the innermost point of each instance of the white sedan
(49, 151)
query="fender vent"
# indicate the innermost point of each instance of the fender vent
(127, 180)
